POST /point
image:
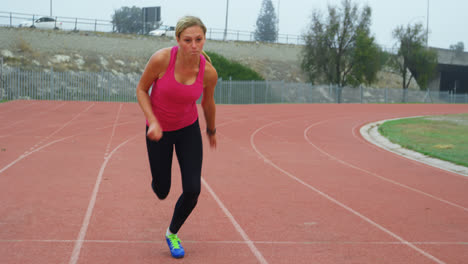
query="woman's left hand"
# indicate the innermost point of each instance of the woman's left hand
(212, 139)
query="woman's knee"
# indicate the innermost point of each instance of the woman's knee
(160, 193)
(192, 197)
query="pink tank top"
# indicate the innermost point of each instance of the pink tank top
(173, 103)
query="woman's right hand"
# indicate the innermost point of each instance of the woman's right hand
(154, 132)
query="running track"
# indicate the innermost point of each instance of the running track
(287, 184)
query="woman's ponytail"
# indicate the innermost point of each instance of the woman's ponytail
(206, 56)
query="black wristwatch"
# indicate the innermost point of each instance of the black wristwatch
(210, 132)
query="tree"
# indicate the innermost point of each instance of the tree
(413, 59)
(339, 49)
(128, 20)
(458, 48)
(266, 23)
(366, 59)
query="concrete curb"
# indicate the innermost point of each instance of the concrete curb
(370, 133)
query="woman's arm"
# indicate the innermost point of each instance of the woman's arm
(208, 102)
(154, 69)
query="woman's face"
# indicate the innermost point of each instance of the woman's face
(191, 40)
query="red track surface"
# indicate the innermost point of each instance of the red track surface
(287, 184)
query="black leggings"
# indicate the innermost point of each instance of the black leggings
(189, 151)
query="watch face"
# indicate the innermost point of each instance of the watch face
(211, 132)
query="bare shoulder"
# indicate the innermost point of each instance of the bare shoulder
(161, 56)
(158, 63)
(211, 76)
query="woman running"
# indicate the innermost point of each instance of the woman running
(179, 76)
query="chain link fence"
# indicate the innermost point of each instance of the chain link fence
(17, 84)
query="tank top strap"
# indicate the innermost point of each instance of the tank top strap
(201, 70)
(173, 59)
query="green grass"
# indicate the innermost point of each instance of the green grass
(3, 101)
(443, 137)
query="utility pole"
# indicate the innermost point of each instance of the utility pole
(427, 26)
(226, 24)
(277, 19)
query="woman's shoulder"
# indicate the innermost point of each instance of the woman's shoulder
(160, 60)
(210, 73)
(162, 54)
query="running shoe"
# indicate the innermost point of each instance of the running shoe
(177, 251)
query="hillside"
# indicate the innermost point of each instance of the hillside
(124, 54)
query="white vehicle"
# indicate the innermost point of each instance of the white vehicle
(43, 22)
(163, 31)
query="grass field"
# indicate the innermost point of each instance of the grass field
(443, 137)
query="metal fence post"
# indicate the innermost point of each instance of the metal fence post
(102, 86)
(386, 95)
(230, 90)
(252, 88)
(337, 99)
(1, 78)
(220, 85)
(282, 91)
(52, 80)
(362, 93)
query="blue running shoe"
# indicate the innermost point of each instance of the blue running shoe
(177, 251)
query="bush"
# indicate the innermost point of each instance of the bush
(235, 70)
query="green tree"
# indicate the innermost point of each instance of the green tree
(266, 23)
(128, 20)
(458, 48)
(414, 59)
(366, 59)
(339, 49)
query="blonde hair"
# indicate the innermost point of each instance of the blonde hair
(190, 21)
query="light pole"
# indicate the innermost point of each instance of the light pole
(50, 7)
(226, 24)
(277, 19)
(427, 26)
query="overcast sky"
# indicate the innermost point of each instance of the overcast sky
(448, 19)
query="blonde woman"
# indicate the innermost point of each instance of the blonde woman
(179, 76)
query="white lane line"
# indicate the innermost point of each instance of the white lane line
(239, 229)
(33, 116)
(113, 131)
(31, 152)
(121, 124)
(377, 175)
(383, 243)
(333, 199)
(84, 227)
(66, 124)
(36, 147)
(19, 108)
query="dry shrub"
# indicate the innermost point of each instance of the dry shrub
(23, 46)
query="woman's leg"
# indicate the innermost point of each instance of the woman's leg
(160, 158)
(189, 152)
